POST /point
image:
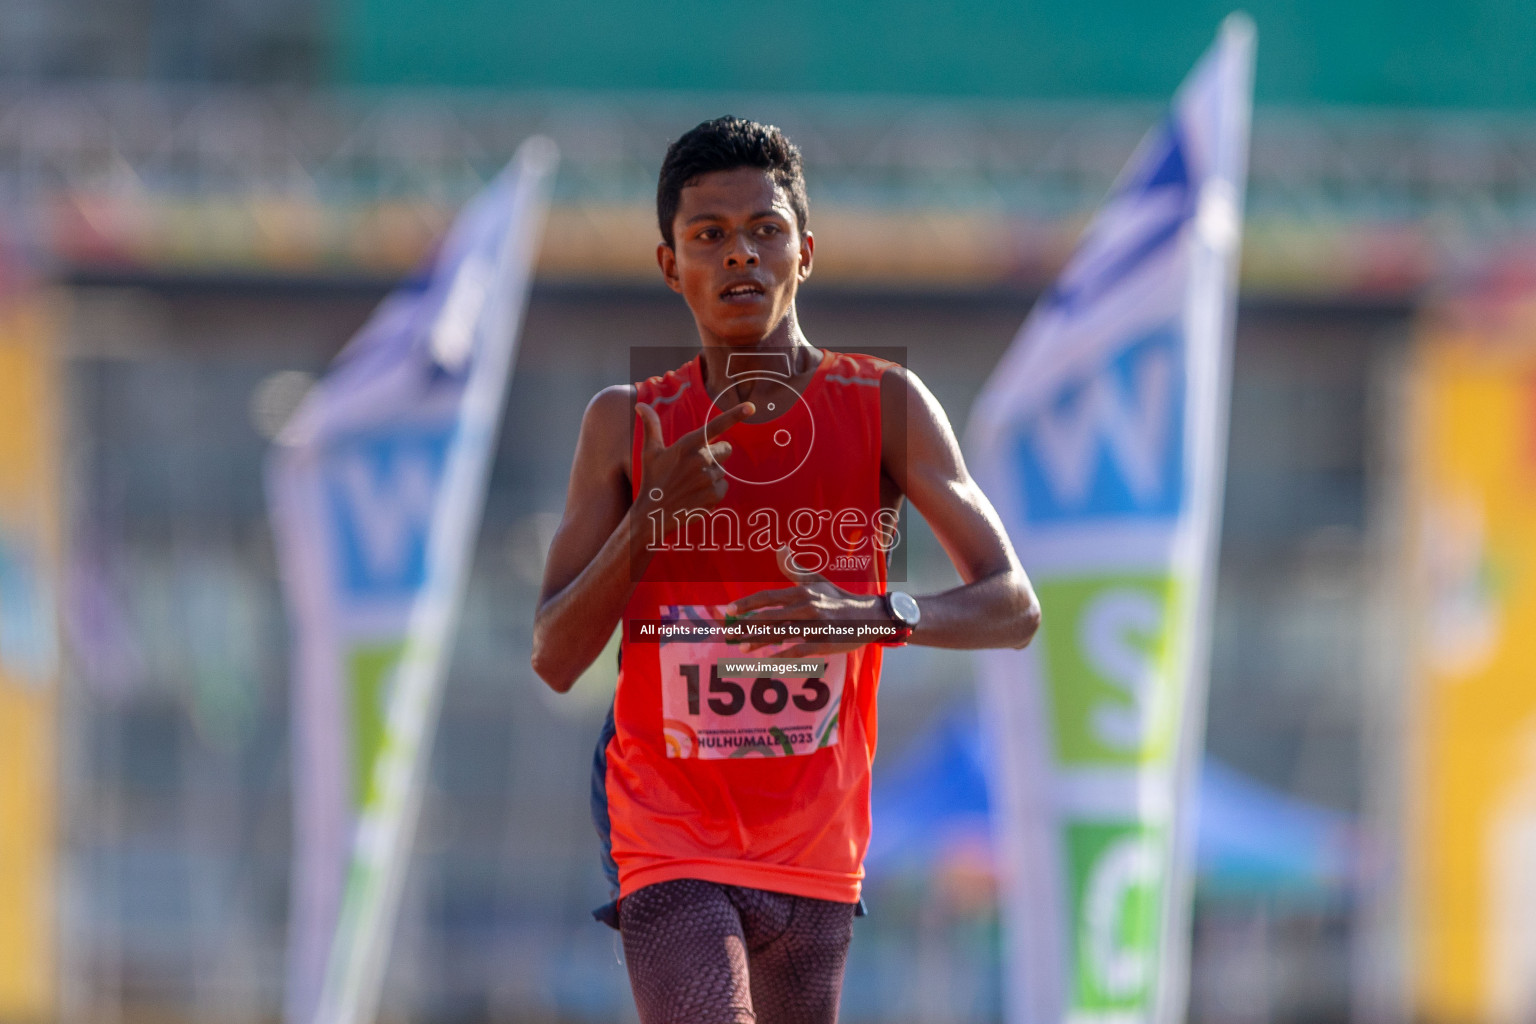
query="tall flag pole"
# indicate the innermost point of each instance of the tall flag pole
(1102, 438)
(377, 486)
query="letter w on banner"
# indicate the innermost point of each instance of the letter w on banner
(377, 486)
(1101, 437)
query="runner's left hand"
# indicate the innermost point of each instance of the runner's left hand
(814, 600)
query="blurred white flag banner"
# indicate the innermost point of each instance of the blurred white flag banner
(1101, 437)
(377, 486)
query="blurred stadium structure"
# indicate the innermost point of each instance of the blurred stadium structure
(213, 245)
(1344, 204)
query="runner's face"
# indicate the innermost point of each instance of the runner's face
(739, 255)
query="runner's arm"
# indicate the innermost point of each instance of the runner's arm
(994, 606)
(600, 549)
(587, 576)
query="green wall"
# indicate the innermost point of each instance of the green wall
(1480, 53)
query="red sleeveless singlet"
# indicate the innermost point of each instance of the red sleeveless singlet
(754, 782)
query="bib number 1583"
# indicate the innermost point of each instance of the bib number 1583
(710, 716)
(768, 696)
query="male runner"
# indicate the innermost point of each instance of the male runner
(735, 810)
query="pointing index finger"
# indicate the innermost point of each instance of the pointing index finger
(717, 426)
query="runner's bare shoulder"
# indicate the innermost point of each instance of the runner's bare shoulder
(607, 429)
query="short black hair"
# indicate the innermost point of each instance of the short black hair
(725, 144)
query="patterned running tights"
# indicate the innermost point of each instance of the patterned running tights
(702, 953)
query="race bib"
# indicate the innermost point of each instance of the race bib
(710, 712)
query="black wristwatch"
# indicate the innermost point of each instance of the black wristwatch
(903, 610)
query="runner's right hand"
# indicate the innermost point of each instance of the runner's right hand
(686, 474)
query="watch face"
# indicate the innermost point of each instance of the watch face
(904, 607)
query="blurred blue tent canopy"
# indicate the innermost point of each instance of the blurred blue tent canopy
(932, 799)
(1253, 839)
